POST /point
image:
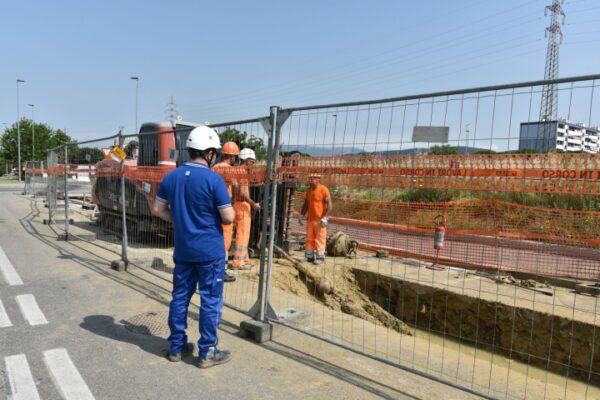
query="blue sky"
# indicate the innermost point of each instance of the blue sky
(232, 59)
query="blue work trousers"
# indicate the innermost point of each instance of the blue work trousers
(208, 278)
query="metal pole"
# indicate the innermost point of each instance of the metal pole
(260, 316)
(273, 210)
(19, 130)
(124, 243)
(66, 193)
(32, 132)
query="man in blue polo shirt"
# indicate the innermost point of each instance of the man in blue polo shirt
(196, 201)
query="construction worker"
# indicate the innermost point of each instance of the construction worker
(229, 154)
(317, 205)
(196, 201)
(243, 206)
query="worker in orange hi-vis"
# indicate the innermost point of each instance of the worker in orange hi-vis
(317, 205)
(243, 206)
(229, 152)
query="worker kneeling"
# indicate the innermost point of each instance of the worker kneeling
(317, 205)
(196, 201)
(243, 205)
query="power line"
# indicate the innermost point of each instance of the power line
(371, 59)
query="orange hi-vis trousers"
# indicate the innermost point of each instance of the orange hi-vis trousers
(316, 237)
(228, 236)
(243, 221)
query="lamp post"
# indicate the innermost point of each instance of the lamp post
(137, 81)
(19, 130)
(6, 128)
(32, 132)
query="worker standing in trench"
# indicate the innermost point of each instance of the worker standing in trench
(317, 205)
(196, 201)
(229, 154)
(243, 206)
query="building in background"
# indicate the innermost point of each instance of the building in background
(545, 136)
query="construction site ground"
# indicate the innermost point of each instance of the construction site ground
(299, 304)
(94, 313)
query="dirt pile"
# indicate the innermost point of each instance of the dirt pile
(332, 285)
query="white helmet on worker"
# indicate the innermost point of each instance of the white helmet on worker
(246, 154)
(203, 138)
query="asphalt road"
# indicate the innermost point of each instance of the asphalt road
(63, 335)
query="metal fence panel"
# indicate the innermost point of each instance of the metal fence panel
(474, 262)
(150, 239)
(489, 308)
(35, 178)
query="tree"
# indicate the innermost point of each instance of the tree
(444, 149)
(84, 155)
(244, 141)
(45, 138)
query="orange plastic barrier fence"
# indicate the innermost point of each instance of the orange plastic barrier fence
(475, 217)
(34, 171)
(552, 173)
(254, 176)
(482, 234)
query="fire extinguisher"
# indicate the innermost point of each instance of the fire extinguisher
(440, 232)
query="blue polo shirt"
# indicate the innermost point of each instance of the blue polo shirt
(195, 195)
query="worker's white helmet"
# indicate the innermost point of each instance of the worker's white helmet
(246, 154)
(203, 138)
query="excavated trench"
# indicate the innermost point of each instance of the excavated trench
(555, 343)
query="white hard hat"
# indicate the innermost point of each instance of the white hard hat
(202, 138)
(246, 154)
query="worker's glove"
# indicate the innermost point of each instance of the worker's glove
(324, 221)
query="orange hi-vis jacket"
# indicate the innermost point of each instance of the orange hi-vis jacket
(315, 200)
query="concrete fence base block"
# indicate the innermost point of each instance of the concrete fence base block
(258, 330)
(66, 237)
(118, 265)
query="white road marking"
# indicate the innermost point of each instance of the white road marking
(8, 271)
(30, 309)
(4, 320)
(20, 380)
(66, 378)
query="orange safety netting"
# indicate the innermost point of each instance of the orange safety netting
(555, 173)
(34, 171)
(71, 169)
(476, 217)
(254, 176)
(486, 234)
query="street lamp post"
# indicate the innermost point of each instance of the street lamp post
(32, 132)
(137, 81)
(19, 130)
(6, 128)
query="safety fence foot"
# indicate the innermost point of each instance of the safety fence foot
(259, 331)
(66, 237)
(118, 265)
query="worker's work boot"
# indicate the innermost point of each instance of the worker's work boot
(220, 357)
(176, 357)
(229, 278)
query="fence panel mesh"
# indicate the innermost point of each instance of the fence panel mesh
(94, 197)
(492, 307)
(463, 242)
(150, 239)
(35, 178)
